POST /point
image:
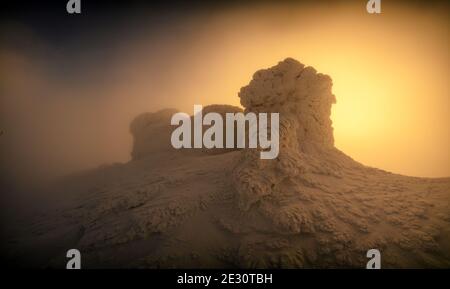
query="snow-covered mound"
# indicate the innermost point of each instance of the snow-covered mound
(312, 206)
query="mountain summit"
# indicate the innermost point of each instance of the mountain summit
(311, 207)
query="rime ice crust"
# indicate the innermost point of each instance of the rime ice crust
(145, 127)
(151, 131)
(301, 96)
(328, 208)
(303, 99)
(311, 207)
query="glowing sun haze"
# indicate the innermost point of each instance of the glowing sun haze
(390, 77)
(390, 74)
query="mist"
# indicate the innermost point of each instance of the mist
(67, 102)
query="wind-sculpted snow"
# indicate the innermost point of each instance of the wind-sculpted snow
(301, 95)
(303, 99)
(312, 206)
(336, 208)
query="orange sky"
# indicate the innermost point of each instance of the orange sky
(390, 75)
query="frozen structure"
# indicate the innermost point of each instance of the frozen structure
(311, 207)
